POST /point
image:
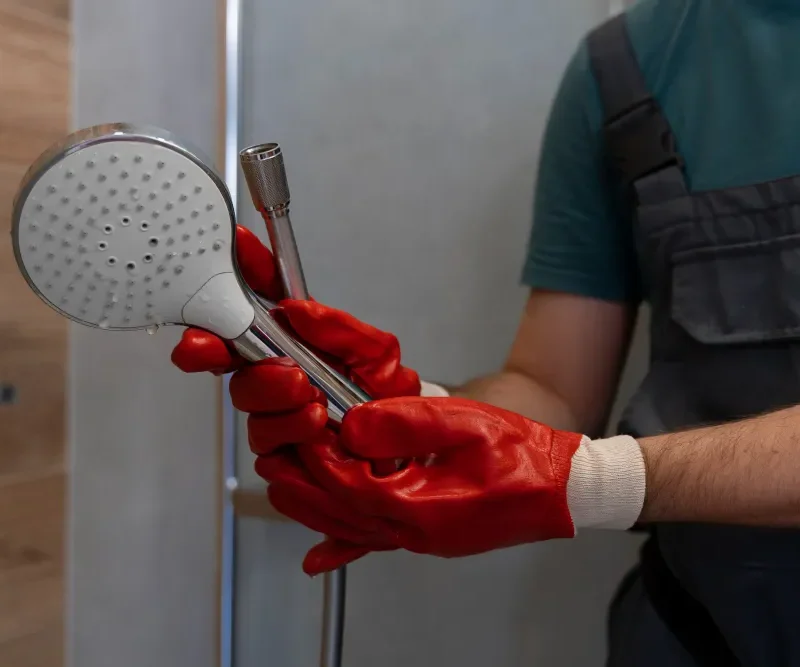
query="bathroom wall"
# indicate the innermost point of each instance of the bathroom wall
(411, 133)
(144, 437)
(34, 111)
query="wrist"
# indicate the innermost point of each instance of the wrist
(606, 484)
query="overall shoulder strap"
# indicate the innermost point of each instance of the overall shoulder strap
(639, 141)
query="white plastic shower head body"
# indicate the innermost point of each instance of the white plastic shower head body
(127, 230)
(123, 227)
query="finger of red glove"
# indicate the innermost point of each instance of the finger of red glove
(257, 265)
(416, 427)
(331, 554)
(268, 432)
(199, 351)
(354, 481)
(295, 507)
(386, 380)
(272, 385)
(373, 355)
(289, 479)
(338, 333)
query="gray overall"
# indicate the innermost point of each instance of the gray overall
(722, 273)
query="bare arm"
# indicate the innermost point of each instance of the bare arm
(746, 472)
(565, 362)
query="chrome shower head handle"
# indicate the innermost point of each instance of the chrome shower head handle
(123, 227)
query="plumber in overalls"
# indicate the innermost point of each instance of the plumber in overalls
(669, 175)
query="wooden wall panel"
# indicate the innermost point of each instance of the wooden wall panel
(34, 112)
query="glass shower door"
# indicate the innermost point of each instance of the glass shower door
(410, 133)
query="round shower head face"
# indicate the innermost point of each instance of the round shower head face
(121, 228)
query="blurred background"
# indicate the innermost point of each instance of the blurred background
(411, 132)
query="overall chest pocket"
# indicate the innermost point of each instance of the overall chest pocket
(741, 293)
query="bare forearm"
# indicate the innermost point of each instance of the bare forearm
(746, 472)
(521, 394)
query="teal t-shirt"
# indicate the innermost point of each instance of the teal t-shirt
(727, 76)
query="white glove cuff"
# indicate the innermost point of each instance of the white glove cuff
(431, 390)
(606, 483)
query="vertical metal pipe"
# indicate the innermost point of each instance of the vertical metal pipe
(265, 174)
(232, 115)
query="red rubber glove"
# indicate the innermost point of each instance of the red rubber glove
(479, 478)
(368, 356)
(284, 408)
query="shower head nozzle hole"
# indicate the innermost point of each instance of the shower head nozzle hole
(147, 258)
(130, 266)
(108, 229)
(125, 220)
(111, 261)
(144, 226)
(102, 245)
(153, 242)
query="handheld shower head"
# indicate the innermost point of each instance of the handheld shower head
(124, 227)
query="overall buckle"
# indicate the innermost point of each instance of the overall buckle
(640, 141)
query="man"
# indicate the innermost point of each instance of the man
(669, 172)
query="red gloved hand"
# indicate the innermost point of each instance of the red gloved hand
(284, 408)
(479, 478)
(368, 356)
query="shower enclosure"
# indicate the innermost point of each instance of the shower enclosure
(411, 133)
